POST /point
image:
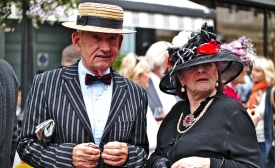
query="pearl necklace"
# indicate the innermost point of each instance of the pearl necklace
(192, 120)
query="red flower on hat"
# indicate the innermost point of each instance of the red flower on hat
(169, 62)
(208, 48)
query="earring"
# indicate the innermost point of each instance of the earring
(182, 89)
(217, 84)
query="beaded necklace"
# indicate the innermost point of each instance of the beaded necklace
(190, 120)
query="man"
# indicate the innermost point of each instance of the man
(69, 56)
(159, 102)
(8, 121)
(102, 123)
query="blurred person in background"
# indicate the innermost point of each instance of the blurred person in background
(8, 120)
(244, 89)
(18, 163)
(260, 102)
(244, 49)
(69, 56)
(137, 69)
(159, 102)
(19, 112)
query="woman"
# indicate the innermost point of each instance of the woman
(263, 78)
(244, 49)
(208, 128)
(137, 69)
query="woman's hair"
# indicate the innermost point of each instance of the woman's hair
(132, 66)
(267, 66)
(183, 95)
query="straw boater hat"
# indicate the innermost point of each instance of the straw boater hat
(97, 17)
(199, 48)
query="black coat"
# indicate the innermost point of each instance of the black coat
(225, 131)
(8, 121)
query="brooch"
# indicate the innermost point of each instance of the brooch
(188, 120)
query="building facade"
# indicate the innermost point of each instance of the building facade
(153, 21)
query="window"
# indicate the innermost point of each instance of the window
(234, 21)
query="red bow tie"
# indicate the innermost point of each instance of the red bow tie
(106, 79)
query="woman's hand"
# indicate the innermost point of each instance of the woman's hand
(192, 162)
(255, 116)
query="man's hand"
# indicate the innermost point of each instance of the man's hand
(85, 155)
(115, 153)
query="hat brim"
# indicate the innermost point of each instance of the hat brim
(229, 67)
(73, 25)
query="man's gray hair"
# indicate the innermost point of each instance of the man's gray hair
(156, 53)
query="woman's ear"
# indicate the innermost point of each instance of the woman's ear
(217, 72)
(180, 77)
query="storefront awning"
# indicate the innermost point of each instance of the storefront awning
(163, 14)
(163, 21)
(183, 15)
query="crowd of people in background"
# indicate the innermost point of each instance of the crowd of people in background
(190, 102)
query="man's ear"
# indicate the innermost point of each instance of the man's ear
(76, 41)
(120, 41)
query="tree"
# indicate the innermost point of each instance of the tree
(39, 10)
(33, 11)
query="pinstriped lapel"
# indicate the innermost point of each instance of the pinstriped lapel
(74, 94)
(119, 96)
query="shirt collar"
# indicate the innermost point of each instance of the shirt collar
(83, 70)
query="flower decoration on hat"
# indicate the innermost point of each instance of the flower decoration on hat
(187, 45)
(242, 48)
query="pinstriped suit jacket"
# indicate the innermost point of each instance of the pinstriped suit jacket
(57, 95)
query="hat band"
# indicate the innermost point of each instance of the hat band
(98, 21)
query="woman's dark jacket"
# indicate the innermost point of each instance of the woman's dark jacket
(225, 134)
(268, 121)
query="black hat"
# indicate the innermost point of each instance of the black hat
(201, 48)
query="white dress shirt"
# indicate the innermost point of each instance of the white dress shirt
(97, 98)
(152, 130)
(260, 127)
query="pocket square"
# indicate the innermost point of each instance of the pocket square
(45, 130)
